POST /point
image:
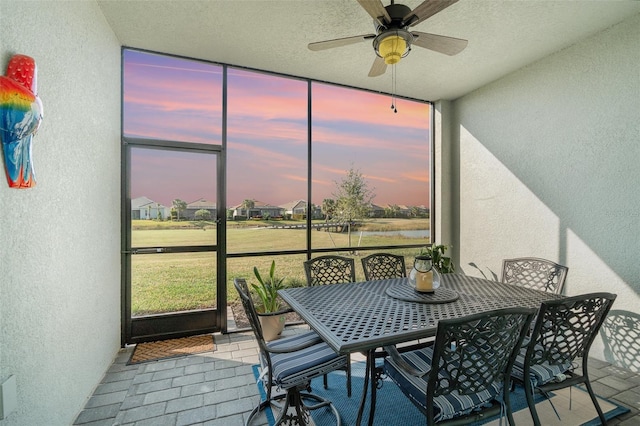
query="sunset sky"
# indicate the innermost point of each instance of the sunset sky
(181, 100)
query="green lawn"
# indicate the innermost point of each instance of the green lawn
(171, 282)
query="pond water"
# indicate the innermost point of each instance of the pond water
(424, 233)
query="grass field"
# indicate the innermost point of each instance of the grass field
(171, 282)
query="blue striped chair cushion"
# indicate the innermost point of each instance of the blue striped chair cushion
(445, 406)
(290, 369)
(287, 343)
(540, 373)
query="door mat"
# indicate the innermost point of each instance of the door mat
(163, 349)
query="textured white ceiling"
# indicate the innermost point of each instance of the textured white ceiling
(272, 35)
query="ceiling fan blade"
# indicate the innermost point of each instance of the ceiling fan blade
(379, 67)
(439, 43)
(376, 10)
(330, 44)
(425, 10)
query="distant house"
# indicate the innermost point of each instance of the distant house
(404, 211)
(395, 210)
(295, 208)
(259, 210)
(145, 208)
(298, 209)
(201, 204)
(376, 211)
(423, 211)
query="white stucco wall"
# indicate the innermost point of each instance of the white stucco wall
(548, 165)
(60, 241)
(444, 180)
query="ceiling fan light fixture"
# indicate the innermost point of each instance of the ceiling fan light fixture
(392, 49)
(393, 45)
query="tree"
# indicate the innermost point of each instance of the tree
(203, 214)
(328, 208)
(312, 210)
(353, 198)
(248, 205)
(179, 206)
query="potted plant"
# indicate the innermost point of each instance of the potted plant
(442, 263)
(270, 314)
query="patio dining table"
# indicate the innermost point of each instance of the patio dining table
(364, 316)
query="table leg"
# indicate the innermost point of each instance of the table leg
(363, 399)
(374, 378)
(370, 376)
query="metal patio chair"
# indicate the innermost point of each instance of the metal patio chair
(535, 273)
(330, 269)
(291, 363)
(465, 375)
(564, 330)
(379, 266)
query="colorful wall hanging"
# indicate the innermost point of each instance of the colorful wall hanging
(20, 118)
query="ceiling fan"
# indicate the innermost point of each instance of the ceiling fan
(393, 38)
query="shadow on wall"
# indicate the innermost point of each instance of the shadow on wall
(540, 123)
(621, 335)
(490, 276)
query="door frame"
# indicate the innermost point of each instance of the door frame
(179, 324)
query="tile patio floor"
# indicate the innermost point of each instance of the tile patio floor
(218, 389)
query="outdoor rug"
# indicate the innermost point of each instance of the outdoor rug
(393, 408)
(163, 349)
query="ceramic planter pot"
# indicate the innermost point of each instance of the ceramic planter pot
(272, 325)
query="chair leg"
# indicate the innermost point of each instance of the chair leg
(595, 402)
(296, 408)
(348, 370)
(299, 416)
(507, 401)
(528, 391)
(348, 373)
(302, 415)
(261, 406)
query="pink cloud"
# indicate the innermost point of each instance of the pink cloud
(267, 130)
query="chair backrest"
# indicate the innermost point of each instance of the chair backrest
(535, 273)
(379, 266)
(330, 269)
(252, 315)
(473, 353)
(565, 328)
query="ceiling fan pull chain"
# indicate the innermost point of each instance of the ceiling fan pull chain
(394, 101)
